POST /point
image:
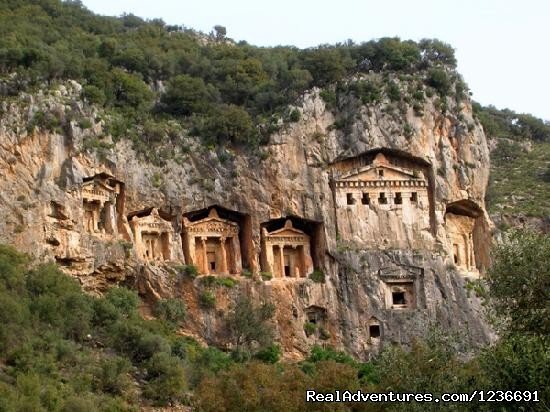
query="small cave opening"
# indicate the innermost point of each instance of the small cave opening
(374, 328)
(398, 298)
(374, 331)
(402, 295)
(316, 314)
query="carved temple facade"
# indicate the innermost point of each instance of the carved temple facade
(382, 202)
(286, 252)
(99, 203)
(460, 236)
(212, 244)
(153, 236)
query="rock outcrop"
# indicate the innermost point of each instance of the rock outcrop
(391, 222)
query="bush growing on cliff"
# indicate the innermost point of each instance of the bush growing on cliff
(171, 310)
(188, 270)
(318, 276)
(309, 328)
(439, 80)
(248, 325)
(207, 299)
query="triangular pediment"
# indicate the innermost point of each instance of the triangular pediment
(153, 216)
(212, 220)
(287, 230)
(97, 185)
(372, 172)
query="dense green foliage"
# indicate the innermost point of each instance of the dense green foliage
(520, 172)
(520, 179)
(62, 350)
(519, 283)
(511, 125)
(145, 72)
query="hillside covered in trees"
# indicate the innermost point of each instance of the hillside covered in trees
(520, 164)
(159, 79)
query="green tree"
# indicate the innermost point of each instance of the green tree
(130, 89)
(166, 378)
(439, 80)
(171, 310)
(519, 283)
(186, 95)
(249, 325)
(325, 64)
(230, 124)
(220, 32)
(436, 51)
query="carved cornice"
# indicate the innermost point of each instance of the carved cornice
(302, 240)
(213, 227)
(394, 274)
(342, 184)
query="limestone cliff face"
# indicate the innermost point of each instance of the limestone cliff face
(395, 260)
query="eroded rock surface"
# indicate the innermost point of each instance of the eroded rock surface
(394, 220)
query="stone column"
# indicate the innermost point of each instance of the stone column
(282, 260)
(95, 214)
(223, 256)
(205, 257)
(137, 238)
(472, 252)
(466, 251)
(307, 259)
(110, 222)
(191, 249)
(237, 260)
(269, 261)
(153, 248)
(99, 211)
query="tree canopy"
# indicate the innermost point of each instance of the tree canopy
(508, 124)
(149, 69)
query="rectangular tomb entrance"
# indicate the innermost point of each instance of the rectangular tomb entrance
(212, 244)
